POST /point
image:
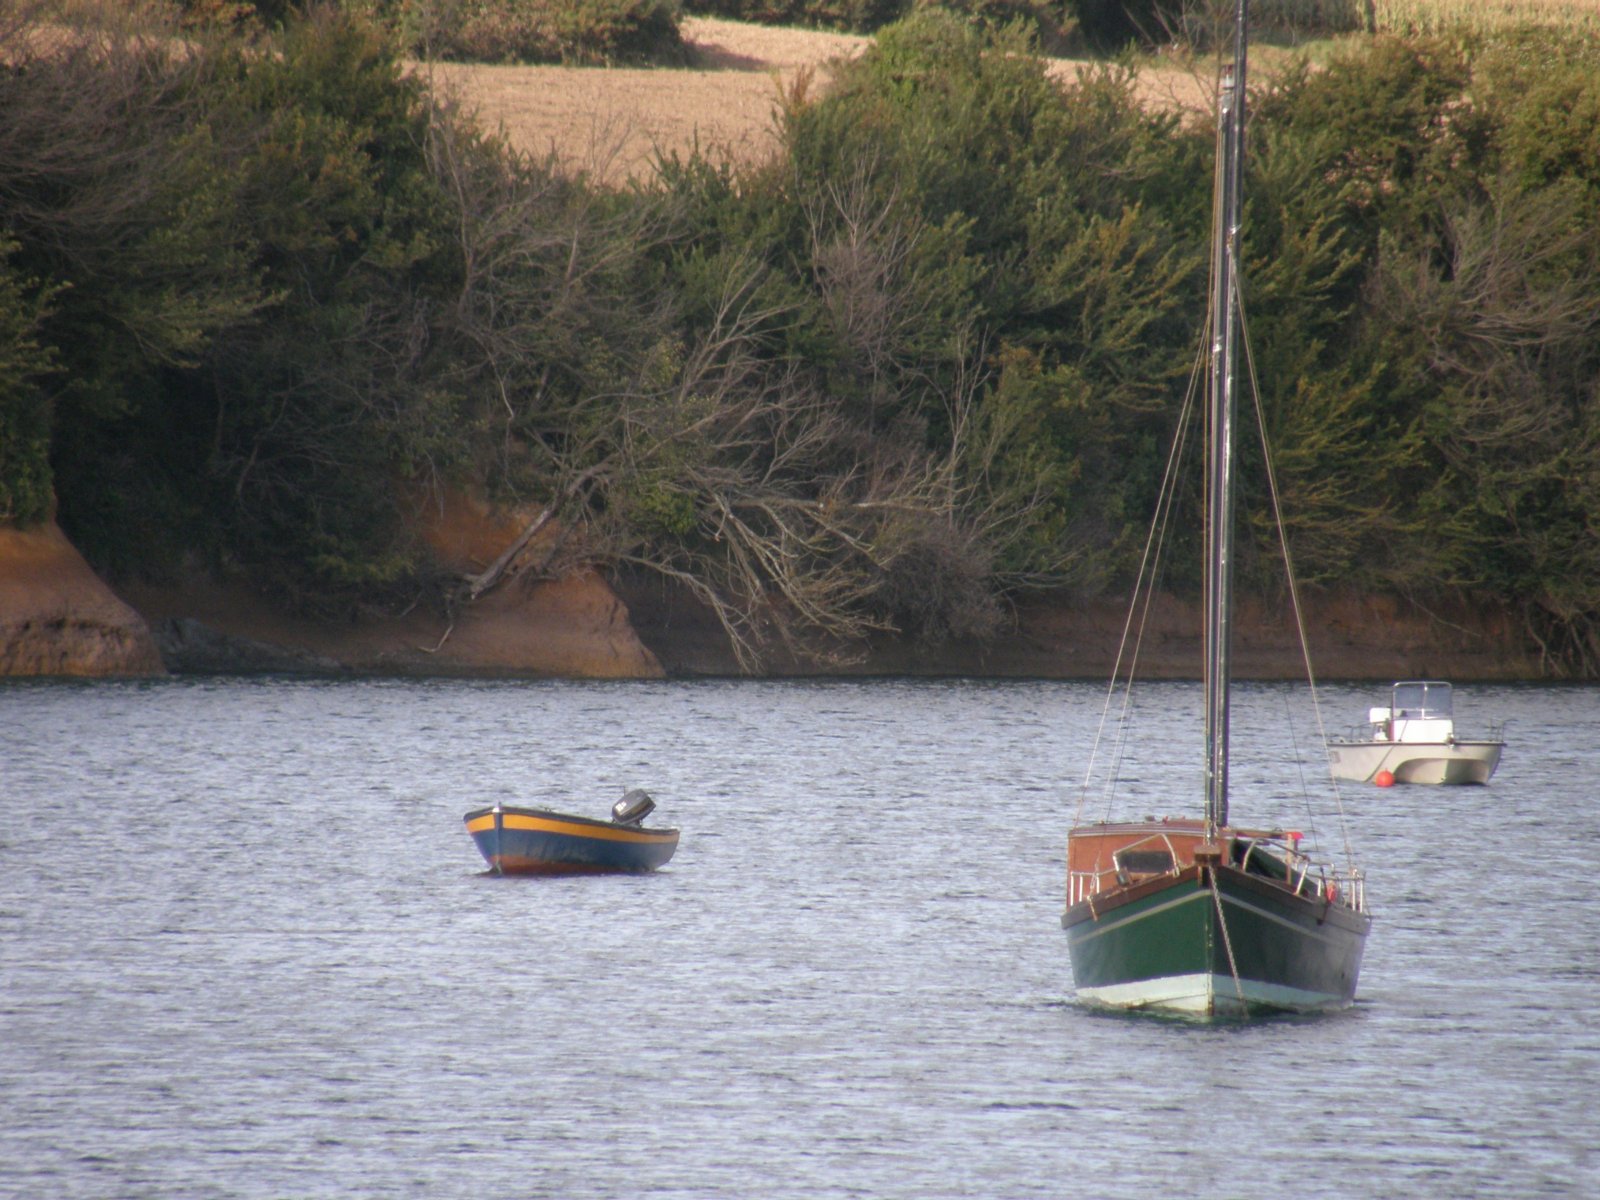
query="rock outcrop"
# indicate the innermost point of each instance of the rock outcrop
(575, 628)
(526, 627)
(58, 618)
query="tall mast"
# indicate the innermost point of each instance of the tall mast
(1228, 203)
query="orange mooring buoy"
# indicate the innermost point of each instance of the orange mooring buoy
(1383, 779)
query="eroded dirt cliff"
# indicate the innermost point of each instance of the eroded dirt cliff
(1058, 637)
(524, 626)
(58, 618)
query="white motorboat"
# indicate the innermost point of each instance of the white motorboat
(1413, 739)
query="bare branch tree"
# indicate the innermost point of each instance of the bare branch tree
(696, 450)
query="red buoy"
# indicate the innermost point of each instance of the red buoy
(1383, 779)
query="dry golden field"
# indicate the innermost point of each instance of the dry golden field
(1429, 16)
(1426, 16)
(613, 121)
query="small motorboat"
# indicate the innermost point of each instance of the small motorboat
(1413, 740)
(537, 841)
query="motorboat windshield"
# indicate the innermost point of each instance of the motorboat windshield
(1418, 701)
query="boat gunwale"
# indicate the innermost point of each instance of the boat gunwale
(1111, 899)
(612, 828)
(1186, 826)
(1401, 743)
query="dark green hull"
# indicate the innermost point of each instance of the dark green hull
(1214, 941)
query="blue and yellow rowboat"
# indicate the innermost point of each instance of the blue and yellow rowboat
(537, 841)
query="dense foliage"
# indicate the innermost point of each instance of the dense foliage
(1050, 20)
(572, 31)
(225, 257)
(260, 297)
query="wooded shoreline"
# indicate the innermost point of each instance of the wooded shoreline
(58, 619)
(919, 359)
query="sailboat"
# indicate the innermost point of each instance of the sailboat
(1195, 916)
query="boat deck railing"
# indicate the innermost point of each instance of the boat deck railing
(1379, 731)
(1307, 876)
(1083, 884)
(1288, 865)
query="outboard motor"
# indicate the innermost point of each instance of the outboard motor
(633, 808)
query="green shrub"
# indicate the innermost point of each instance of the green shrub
(1109, 25)
(242, 247)
(857, 16)
(537, 31)
(1042, 216)
(25, 478)
(1049, 19)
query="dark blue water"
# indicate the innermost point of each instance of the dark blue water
(247, 950)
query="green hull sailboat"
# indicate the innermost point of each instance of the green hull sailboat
(1196, 916)
(1232, 926)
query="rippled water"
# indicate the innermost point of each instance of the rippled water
(247, 949)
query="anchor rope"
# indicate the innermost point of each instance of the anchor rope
(1227, 943)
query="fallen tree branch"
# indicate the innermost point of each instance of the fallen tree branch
(440, 644)
(477, 585)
